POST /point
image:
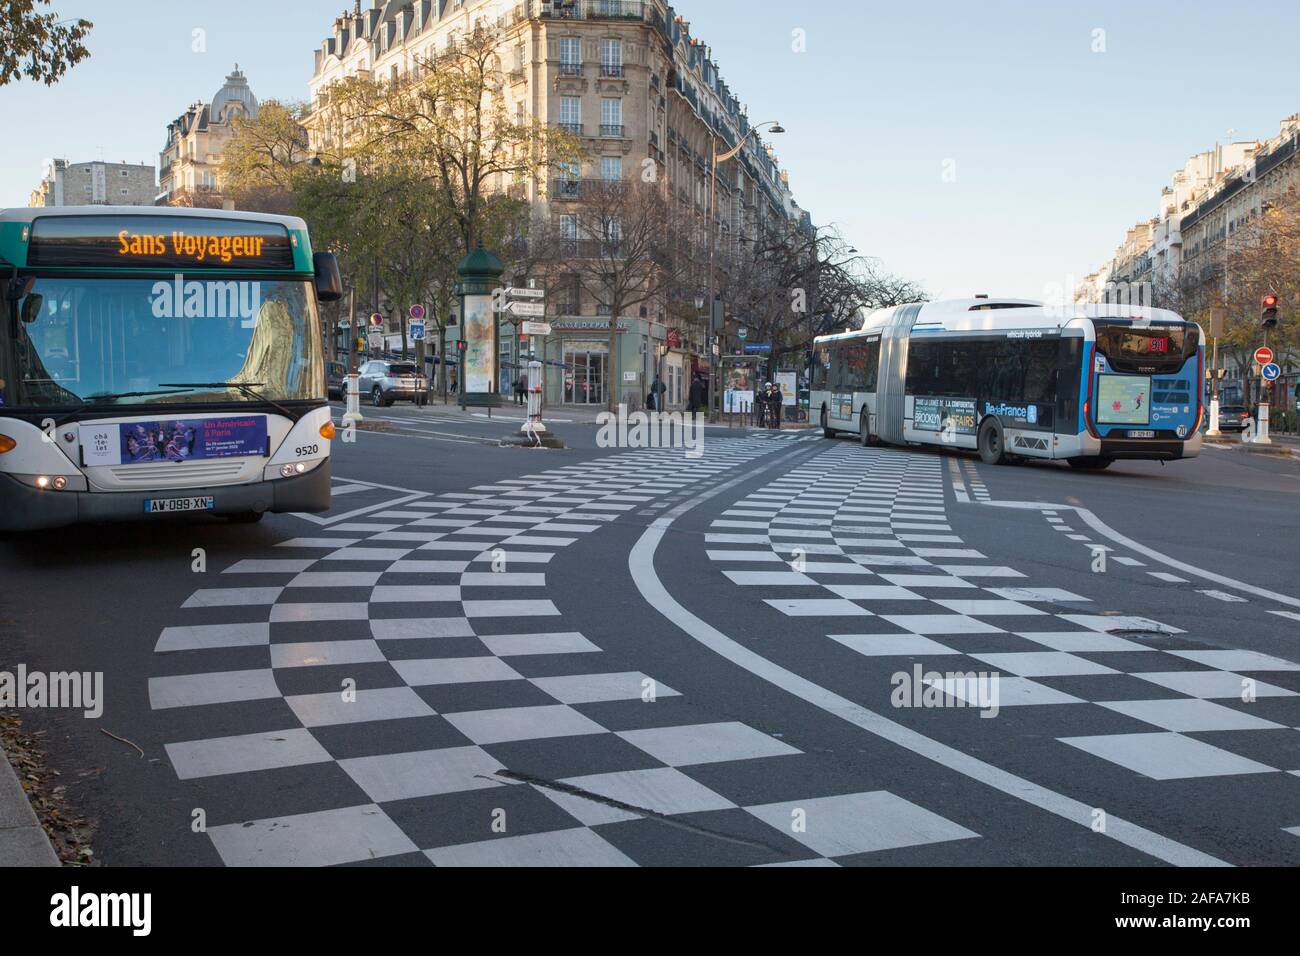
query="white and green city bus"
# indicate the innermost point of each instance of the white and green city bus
(1012, 379)
(160, 361)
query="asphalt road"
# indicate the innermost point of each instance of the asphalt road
(787, 650)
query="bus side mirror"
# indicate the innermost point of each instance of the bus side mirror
(32, 307)
(329, 283)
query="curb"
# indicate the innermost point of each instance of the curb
(22, 840)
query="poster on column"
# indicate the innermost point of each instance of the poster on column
(480, 345)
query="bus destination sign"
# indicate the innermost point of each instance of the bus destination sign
(154, 242)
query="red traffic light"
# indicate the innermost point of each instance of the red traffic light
(1270, 302)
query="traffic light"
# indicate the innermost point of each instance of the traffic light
(1268, 317)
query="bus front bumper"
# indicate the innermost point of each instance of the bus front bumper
(24, 508)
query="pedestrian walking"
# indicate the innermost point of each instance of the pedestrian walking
(656, 397)
(695, 397)
(521, 390)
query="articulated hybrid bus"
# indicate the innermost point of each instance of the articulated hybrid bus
(1012, 379)
(160, 361)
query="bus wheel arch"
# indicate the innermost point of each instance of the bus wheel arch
(865, 435)
(992, 442)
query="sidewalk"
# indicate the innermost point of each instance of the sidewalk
(22, 841)
(1281, 444)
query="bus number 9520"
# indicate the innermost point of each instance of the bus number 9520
(304, 451)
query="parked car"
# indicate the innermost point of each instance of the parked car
(336, 379)
(386, 381)
(1232, 418)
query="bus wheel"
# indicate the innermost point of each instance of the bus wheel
(826, 431)
(992, 448)
(246, 517)
(864, 430)
(1091, 463)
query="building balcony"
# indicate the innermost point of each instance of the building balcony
(570, 69)
(612, 130)
(575, 128)
(593, 10)
(611, 71)
(575, 190)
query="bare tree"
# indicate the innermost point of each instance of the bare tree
(624, 249)
(447, 120)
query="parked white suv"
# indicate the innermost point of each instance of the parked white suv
(388, 381)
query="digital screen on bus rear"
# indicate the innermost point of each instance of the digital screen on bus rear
(159, 242)
(1123, 400)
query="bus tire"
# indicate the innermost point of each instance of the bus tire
(1091, 463)
(827, 432)
(864, 430)
(993, 449)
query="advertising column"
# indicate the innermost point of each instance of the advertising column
(480, 273)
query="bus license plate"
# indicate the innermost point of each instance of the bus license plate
(1141, 434)
(173, 505)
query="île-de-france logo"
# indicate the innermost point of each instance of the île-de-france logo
(207, 299)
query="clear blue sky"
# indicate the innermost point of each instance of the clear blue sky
(1057, 149)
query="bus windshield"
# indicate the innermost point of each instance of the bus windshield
(119, 341)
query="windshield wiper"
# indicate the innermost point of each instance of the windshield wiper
(114, 396)
(247, 388)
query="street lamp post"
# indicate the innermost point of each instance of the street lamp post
(715, 343)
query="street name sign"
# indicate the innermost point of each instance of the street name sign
(537, 328)
(526, 293)
(533, 309)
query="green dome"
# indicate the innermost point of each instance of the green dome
(480, 264)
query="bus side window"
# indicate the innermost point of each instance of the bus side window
(873, 367)
(836, 377)
(820, 359)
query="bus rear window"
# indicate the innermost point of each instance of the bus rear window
(1135, 348)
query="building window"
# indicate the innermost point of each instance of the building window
(521, 114)
(611, 168)
(568, 227)
(570, 56)
(611, 57)
(571, 113)
(611, 117)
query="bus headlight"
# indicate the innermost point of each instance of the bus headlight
(53, 482)
(288, 471)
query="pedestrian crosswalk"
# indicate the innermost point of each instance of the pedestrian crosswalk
(927, 597)
(411, 694)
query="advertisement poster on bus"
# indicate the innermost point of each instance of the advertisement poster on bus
(1123, 400)
(179, 440)
(480, 347)
(933, 414)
